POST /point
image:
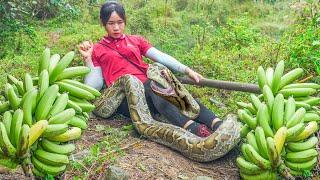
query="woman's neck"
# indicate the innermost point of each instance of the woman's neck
(112, 38)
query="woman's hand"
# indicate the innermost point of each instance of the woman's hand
(194, 75)
(85, 49)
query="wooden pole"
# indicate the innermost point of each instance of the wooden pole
(228, 85)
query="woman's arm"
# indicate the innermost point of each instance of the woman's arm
(172, 63)
(94, 78)
(165, 59)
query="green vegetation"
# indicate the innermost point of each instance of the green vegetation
(224, 40)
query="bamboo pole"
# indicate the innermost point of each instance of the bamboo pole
(228, 85)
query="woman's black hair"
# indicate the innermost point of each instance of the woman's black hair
(109, 7)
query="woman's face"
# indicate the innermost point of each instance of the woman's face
(115, 25)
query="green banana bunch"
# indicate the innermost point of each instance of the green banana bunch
(278, 126)
(38, 121)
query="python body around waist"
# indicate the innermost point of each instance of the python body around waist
(166, 85)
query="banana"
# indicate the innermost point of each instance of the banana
(43, 83)
(36, 131)
(28, 84)
(302, 166)
(280, 138)
(300, 104)
(53, 62)
(269, 75)
(244, 153)
(7, 148)
(262, 79)
(72, 134)
(248, 106)
(52, 159)
(81, 116)
(296, 173)
(56, 148)
(277, 77)
(16, 90)
(252, 141)
(12, 80)
(75, 106)
(248, 167)
(82, 86)
(62, 117)
(310, 129)
(59, 105)
(85, 115)
(273, 154)
(7, 118)
(247, 119)
(301, 156)
(297, 92)
(278, 112)
(311, 117)
(75, 91)
(294, 131)
(302, 85)
(73, 72)
(15, 128)
(268, 97)
(37, 172)
(266, 175)
(13, 98)
(23, 143)
(47, 169)
(296, 118)
(19, 84)
(44, 60)
(28, 106)
(257, 159)
(301, 146)
(20, 87)
(290, 77)
(63, 63)
(77, 122)
(290, 109)
(55, 130)
(245, 129)
(312, 101)
(4, 106)
(263, 118)
(255, 101)
(261, 142)
(46, 102)
(84, 104)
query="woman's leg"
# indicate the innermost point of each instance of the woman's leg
(124, 109)
(172, 113)
(207, 117)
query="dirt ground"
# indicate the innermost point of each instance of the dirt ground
(145, 159)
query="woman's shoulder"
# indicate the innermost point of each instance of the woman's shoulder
(134, 37)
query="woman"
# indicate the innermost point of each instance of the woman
(117, 54)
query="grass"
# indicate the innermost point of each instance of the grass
(92, 162)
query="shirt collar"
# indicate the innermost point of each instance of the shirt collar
(109, 39)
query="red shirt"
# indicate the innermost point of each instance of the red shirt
(113, 65)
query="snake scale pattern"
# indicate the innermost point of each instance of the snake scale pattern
(166, 85)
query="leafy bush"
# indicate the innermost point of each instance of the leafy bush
(303, 43)
(17, 18)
